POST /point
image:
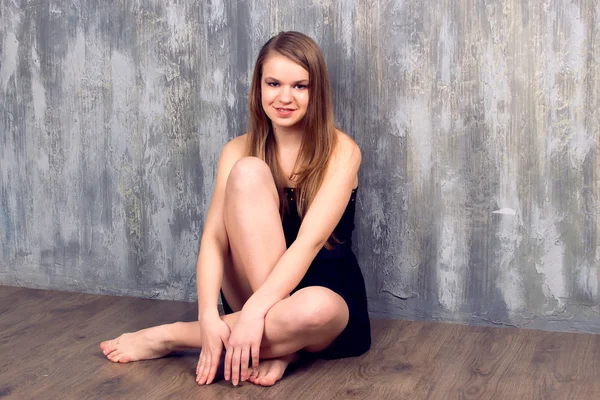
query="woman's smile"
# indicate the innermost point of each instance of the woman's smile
(284, 112)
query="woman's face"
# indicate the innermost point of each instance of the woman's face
(284, 91)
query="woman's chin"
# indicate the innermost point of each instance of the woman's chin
(286, 124)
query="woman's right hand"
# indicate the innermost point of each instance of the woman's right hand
(215, 334)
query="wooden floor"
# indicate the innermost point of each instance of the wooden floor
(49, 350)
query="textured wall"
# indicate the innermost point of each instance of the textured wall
(477, 120)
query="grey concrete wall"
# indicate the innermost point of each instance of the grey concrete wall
(477, 120)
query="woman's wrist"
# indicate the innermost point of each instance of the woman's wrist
(255, 307)
(208, 312)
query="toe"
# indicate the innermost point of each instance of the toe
(106, 348)
(269, 381)
(109, 345)
(114, 356)
(256, 378)
(266, 381)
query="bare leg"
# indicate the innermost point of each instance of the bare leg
(257, 242)
(253, 227)
(311, 319)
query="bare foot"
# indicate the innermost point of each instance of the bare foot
(270, 371)
(141, 345)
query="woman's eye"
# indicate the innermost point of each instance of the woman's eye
(272, 84)
(301, 87)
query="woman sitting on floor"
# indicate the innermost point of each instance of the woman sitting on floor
(277, 238)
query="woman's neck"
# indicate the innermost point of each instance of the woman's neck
(288, 138)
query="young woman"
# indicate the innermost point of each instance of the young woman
(277, 239)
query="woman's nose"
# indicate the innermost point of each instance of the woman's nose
(285, 95)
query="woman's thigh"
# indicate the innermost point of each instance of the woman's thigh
(309, 319)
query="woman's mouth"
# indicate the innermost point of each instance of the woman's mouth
(284, 112)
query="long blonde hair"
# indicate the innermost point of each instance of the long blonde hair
(319, 136)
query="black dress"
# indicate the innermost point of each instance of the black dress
(338, 270)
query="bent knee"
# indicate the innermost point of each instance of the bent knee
(248, 173)
(321, 308)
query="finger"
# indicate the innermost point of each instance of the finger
(235, 367)
(199, 366)
(227, 369)
(255, 358)
(245, 359)
(205, 366)
(214, 365)
(202, 367)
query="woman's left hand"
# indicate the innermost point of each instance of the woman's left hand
(244, 342)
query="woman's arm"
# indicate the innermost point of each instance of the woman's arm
(209, 270)
(317, 226)
(215, 244)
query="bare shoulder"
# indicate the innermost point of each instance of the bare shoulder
(345, 160)
(346, 149)
(235, 148)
